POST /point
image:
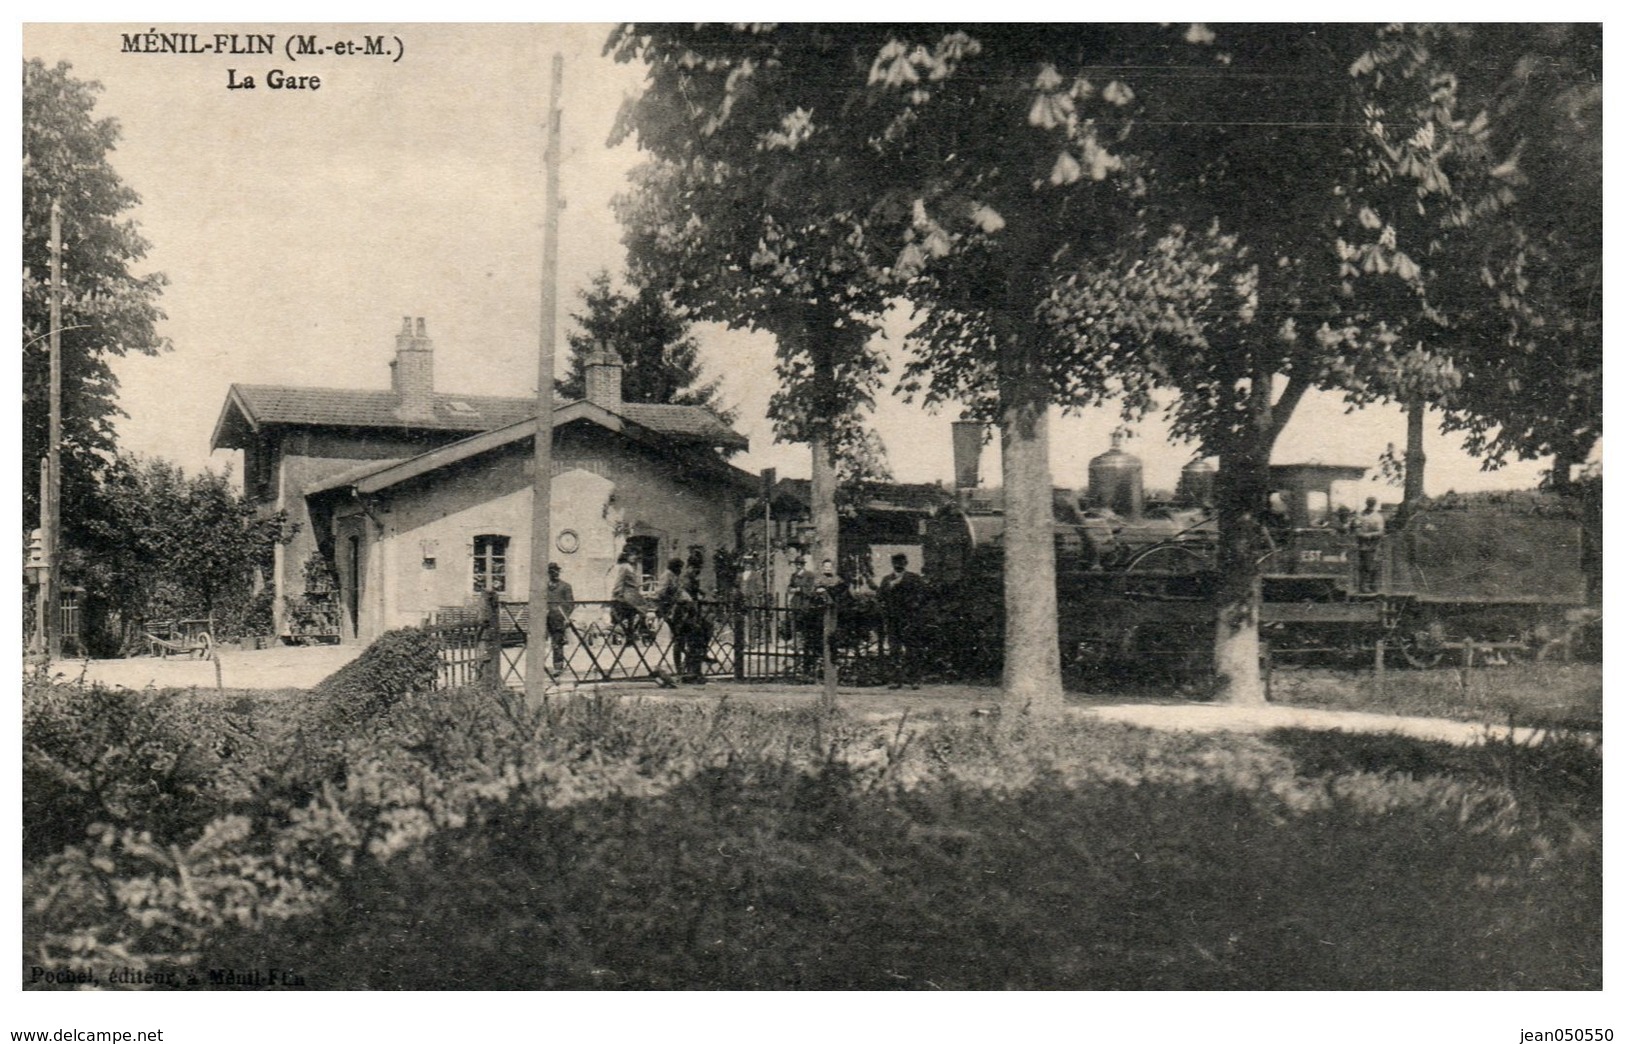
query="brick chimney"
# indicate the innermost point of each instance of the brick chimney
(603, 368)
(411, 374)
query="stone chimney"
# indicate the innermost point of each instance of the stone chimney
(603, 368)
(411, 375)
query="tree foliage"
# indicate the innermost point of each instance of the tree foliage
(1234, 215)
(109, 308)
(165, 545)
(1530, 353)
(652, 338)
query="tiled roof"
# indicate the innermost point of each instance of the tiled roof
(263, 404)
(682, 422)
(379, 475)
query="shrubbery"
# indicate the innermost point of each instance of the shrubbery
(467, 840)
(97, 755)
(396, 665)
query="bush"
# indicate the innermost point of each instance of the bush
(95, 755)
(398, 664)
(468, 839)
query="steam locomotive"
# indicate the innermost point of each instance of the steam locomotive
(1135, 580)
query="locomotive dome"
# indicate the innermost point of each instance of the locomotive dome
(1116, 480)
(1196, 482)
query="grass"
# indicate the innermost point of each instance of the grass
(1550, 695)
(459, 841)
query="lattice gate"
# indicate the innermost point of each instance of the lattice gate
(605, 642)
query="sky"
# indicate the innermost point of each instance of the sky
(297, 227)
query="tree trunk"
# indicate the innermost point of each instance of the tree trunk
(826, 521)
(826, 546)
(1562, 464)
(1032, 654)
(1241, 491)
(1416, 460)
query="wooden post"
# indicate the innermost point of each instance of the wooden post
(541, 501)
(1466, 663)
(42, 607)
(490, 639)
(1268, 657)
(1379, 665)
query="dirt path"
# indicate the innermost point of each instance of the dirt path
(280, 668)
(289, 668)
(1169, 714)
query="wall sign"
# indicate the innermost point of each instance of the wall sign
(569, 542)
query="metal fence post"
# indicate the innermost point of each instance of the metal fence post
(741, 639)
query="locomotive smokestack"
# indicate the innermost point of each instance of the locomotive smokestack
(967, 455)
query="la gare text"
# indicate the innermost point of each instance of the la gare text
(276, 80)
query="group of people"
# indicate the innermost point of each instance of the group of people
(820, 602)
(815, 599)
(676, 601)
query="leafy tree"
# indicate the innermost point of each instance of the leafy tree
(661, 357)
(756, 217)
(1531, 353)
(108, 309)
(1104, 211)
(1324, 264)
(168, 545)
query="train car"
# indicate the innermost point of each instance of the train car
(1137, 585)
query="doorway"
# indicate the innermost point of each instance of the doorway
(645, 551)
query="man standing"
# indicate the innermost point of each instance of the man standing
(808, 613)
(902, 599)
(561, 602)
(1368, 530)
(675, 605)
(626, 599)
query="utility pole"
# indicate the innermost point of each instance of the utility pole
(541, 501)
(52, 509)
(41, 563)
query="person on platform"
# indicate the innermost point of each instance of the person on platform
(698, 643)
(902, 601)
(676, 607)
(626, 599)
(807, 612)
(1368, 533)
(561, 602)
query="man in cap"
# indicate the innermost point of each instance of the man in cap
(561, 602)
(902, 600)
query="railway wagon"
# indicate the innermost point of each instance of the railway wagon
(1505, 572)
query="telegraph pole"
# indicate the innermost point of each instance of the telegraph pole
(52, 509)
(541, 502)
